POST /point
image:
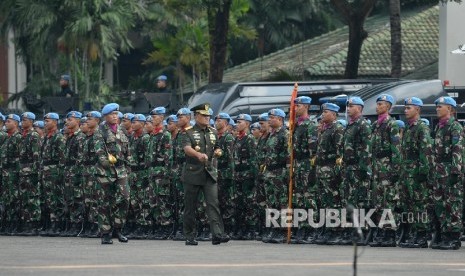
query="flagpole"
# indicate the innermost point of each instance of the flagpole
(291, 157)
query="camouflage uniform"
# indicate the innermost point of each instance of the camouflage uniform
(160, 159)
(73, 190)
(179, 157)
(244, 180)
(52, 163)
(357, 163)
(3, 137)
(447, 189)
(10, 176)
(28, 177)
(226, 189)
(113, 191)
(89, 160)
(260, 195)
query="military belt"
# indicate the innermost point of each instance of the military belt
(383, 154)
(326, 162)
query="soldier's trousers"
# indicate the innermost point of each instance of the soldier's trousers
(448, 198)
(330, 187)
(30, 198)
(178, 197)
(356, 189)
(246, 206)
(191, 197)
(11, 196)
(305, 190)
(74, 196)
(160, 203)
(52, 193)
(113, 203)
(90, 197)
(385, 195)
(260, 198)
(276, 188)
(139, 198)
(227, 201)
(417, 195)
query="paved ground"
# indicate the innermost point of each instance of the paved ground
(77, 256)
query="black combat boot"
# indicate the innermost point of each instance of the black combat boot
(279, 236)
(378, 237)
(451, 241)
(75, 229)
(436, 240)
(409, 239)
(31, 229)
(323, 236)
(106, 239)
(179, 236)
(389, 239)
(14, 228)
(421, 240)
(267, 234)
(119, 234)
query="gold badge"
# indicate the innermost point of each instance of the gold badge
(197, 148)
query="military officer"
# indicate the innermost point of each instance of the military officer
(126, 123)
(112, 149)
(255, 130)
(447, 189)
(39, 128)
(199, 174)
(260, 196)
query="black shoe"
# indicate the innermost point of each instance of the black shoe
(451, 241)
(267, 235)
(421, 240)
(389, 239)
(179, 236)
(205, 235)
(409, 239)
(278, 236)
(323, 237)
(93, 231)
(75, 229)
(120, 236)
(191, 242)
(106, 239)
(140, 233)
(436, 240)
(378, 238)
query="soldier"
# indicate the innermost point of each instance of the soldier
(159, 161)
(73, 190)
(179, 157)
(328, 170)
(3, 137)
(357, 165)
(244, 179)
(275, 169)
(226, 189)
(29, 189)
(199, 174)
(260, 196)
(10, 175)
(401, 126)
(447, 189)
(171, 126)
(255, 130)
(53, 159)
(89, 160)
(305, 138)
(112, 149)
(39, 128)
(417, 161)
(386, 167)
(126, 123)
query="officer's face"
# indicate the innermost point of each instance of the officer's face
(202, 120)
(157, 119)
(112, 118)
(256, 132)
(411, 111)
(26, 123)
(50, 124)
(126, 123)
(354, 110)
(84, 127)
(11, 124)
(275, 121)
(443, 110)
(39, 131)
(92, 122)
(183, 120)
(220, 123)
(242, 125)
(72, 122)
(382, 107)
(149, 127)
(161, 84)
(264, 126)
(300, 109)
(136, 125)
(328, 116)
(172, 126)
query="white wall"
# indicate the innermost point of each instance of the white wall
(451, 35)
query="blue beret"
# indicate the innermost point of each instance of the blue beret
(386, 98)
(52, 115)
(413, 101)
(192, 122)
(330, 107)
(172, 118)
(94, 114)
(120, 115)
(83, 120)
(277, 112)
(39, 124)
(158, 111)
(303, 100)
(446, 100)
(355, 100)
(245, 117)
(74, 114)
(263, 117)
(128, 116)
(13, 117)
(223, 115)
(212, 122)
(148, 119)
(342, 122)
(400, 123)
(255, 125)
(426, 121)
(162, 78)
(231, 122)
(165, 123)
(2, 117)
(109, 108)
(66, 77)
(138, 117)
(29, 115)
(183, 111)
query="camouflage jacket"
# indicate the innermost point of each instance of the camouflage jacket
(10, 152)
(447, 149)
(52, 154)
(244, 156)
(29, 154)
(330, 143)
(139, 146)
(417, 151)
(385, 146)
(116, 144)
(305, 138)
(73, 152)
(357, 146)
(3, 137)
(179, 156)
(260, 152)
(89, 155)
(226, 160)
(160, 152)
(276, 149)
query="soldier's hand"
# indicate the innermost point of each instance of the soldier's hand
(202, 157)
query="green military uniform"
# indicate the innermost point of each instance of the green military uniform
(179, 157)
(244, 181)
(260, 195)
(3, 137)
(29, 182)
(52, 163)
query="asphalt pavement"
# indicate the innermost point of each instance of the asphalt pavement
(78, 256)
